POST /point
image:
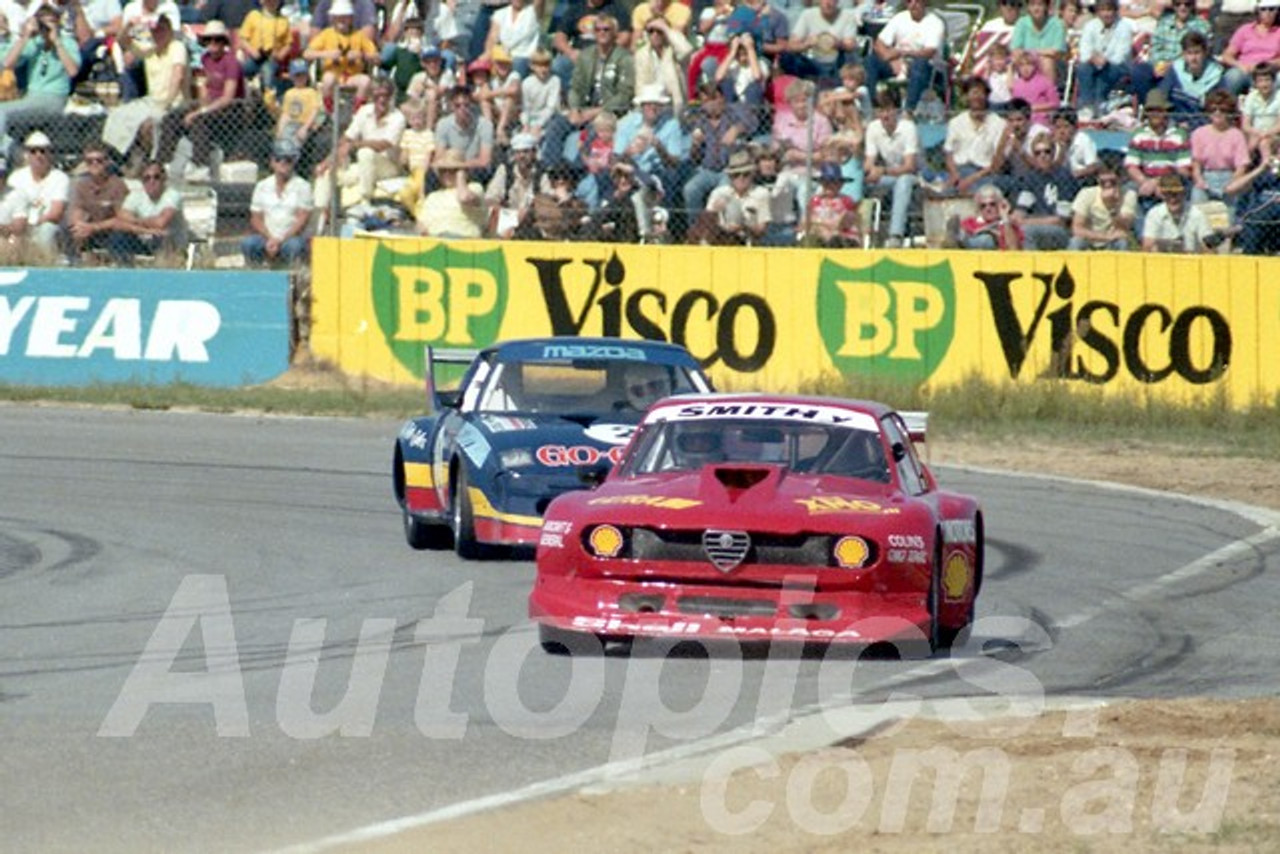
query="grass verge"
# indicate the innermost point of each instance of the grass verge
(1048, 412)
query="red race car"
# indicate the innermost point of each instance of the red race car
(762, 518)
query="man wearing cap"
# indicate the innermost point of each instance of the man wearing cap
(432, 83)
(279, 212)
(96, 199)
(37, 197)
(264, 42)
(345, 54)
(165, 70)
(51, 59)
(301, 108)
(1157, 148)
(512, 188)
(1173, 225)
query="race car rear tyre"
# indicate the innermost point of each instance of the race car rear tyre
(464, 523)
(556, 641)
(421, 535)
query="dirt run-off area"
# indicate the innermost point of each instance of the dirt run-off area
(1185, 775)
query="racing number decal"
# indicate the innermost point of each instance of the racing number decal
(610, 434)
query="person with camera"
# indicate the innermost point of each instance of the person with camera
(51, 59)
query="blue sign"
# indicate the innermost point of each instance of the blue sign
(147, 327)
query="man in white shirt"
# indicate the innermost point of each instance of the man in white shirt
(907, 47)
(279, 212)
(37, 197)
(892, 161)
(973, 138)
(822, 39)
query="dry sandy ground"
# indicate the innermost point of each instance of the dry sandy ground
(1190, 775)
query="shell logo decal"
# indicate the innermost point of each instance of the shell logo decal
(955, 576)
(605, 541)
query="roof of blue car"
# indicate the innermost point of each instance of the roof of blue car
(537, 349)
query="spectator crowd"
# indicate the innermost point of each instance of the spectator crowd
(1116, 124)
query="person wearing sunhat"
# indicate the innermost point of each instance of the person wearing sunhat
(1158, 147)
(279, 212)
(51, 59)
(1173, 225)
(738, 212)
(831, 218)
(216, 121)
(345, 54)
(456, 209)
(37, 197)
(651, 137)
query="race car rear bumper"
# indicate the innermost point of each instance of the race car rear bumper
(622, 609)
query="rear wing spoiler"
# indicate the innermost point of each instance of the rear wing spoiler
(917, 425)
(433, 356)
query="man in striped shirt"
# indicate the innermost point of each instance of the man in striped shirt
(1157, 148)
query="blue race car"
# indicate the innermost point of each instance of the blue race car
(481, 467)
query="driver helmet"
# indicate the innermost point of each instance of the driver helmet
(645, 385)
(698, 446)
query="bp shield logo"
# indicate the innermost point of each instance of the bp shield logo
(889, 321)
(446, 297)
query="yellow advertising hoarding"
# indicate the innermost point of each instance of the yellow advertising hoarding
(1178, 326)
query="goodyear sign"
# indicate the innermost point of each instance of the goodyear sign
(63, 327)
(1176, 326)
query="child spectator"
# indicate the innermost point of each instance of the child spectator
(417, 147)
(713, 25)
(1261, 108)
(539, 95)
(831, 217)
(432, 84)
(999, 76)
(301, 114)
(498, 93)
(596, 156)
(1032, 86)
(1256, 42)
(1042, 36)
(742, 78)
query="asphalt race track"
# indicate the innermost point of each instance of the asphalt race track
(213, 638)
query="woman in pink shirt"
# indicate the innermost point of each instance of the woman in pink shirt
(1219, 150)
(1255, 42)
